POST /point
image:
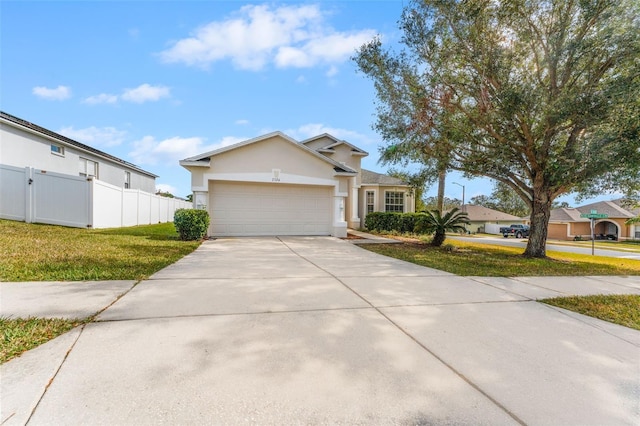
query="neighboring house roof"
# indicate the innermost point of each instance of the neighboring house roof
(19, 122)
(372, 178)
(607, 207)
(613, 209)
(202, 159)
(621, 202)
(485, 214)
(566, 215)
(336, 142)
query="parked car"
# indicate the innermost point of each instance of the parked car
(518, 231)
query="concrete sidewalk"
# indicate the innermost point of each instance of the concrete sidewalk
(315, 330)
(58, 299)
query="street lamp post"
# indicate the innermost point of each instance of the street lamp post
(462, 193)
(463, 209)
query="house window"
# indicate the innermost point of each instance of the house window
(88, 168)
(127, 179)
(57, 149)
(370, 201)
(394, 202)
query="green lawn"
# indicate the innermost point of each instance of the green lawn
(618, 309)
(20, 335)
(474, 259)
(32, 252)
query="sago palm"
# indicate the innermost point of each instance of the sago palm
(433, 222)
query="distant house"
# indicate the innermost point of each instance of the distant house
(275, 185)
(49, 178)
(486, 220)
(24, 144)
(567, 223)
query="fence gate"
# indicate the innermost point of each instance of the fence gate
(59, 199)
(31, 195)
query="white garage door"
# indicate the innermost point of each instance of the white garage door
(249, 209)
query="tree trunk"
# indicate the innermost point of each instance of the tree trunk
(438, 239)
(540, 214)
(442, 174)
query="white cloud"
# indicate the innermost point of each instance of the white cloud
(226, 141)
(310, 130)
(333, 71)
(242, 122)
(301, 79)
(255, 36)
(60, 93)
(170, 151)
(102, 98)
(95, 136)
(145, 92)
(148, 150)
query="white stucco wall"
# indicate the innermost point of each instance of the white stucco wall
(21, 148)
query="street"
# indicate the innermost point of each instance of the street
(514, 242)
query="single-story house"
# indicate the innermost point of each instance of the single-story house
(485, 220)
(567, 223)
(275, 185)
(24, 144)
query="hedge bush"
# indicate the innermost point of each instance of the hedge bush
(191, 224)
(391, 221)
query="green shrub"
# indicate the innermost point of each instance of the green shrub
(383, 221)
(409, 221)
(191, 224)
(391, 221)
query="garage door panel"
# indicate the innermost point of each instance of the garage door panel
(246, 209)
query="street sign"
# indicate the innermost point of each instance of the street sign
(595, 215)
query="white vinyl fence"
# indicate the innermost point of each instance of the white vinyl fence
(493, 228)
(37, 196)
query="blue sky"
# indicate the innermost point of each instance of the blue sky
(153, 82)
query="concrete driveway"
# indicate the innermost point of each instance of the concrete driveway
(302, 330)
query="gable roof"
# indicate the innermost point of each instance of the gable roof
(372, 178)
(613, 209)
(20, 123)
(484, 214)
(566, 215)
(193, 161)
(336, 142)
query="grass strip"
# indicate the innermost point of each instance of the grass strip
(22, 334)
(34, 252)
(473, 259)
(618, 309)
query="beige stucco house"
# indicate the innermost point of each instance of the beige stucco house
(275, 185)
(485, 220)
(566, 223)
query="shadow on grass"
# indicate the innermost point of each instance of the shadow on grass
(159, 232)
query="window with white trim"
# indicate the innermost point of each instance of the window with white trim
(127, 179)
(88, 168)
(394, 201)
(370, 200)
(57, 149)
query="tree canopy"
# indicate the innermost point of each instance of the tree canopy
(540, 95)
(504, 199)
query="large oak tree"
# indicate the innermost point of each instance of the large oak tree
(541, 95)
